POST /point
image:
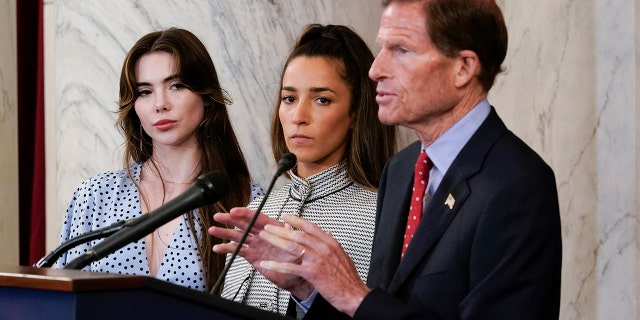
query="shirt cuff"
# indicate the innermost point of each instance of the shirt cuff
(306, 304)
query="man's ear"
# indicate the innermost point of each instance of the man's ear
(468, 68)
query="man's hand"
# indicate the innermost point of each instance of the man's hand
(321, 261)
(255, 249)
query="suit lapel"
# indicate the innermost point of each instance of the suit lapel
(447, 200)
(437, 218)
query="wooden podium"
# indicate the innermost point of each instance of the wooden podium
(33, 293)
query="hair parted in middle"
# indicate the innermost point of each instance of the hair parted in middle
(216, 139)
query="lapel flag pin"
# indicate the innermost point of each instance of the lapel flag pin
(450, 202)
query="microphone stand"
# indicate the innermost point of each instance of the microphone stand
(287, 162)
(48, 260)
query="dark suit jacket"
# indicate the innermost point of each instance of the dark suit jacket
(492, 253)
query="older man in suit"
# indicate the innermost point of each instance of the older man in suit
(472, 234)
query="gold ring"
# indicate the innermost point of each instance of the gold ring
(302, 253)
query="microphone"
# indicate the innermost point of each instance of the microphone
(286, 162)
(206, 189)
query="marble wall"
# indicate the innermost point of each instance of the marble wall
(570, 92)
(8, 134)
(573, 70)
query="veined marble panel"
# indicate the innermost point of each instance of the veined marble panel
(615, 101)
(8, 134)
(547, 97)
(568, 92)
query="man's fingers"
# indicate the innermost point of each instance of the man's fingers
(283, 239)
(228, 247)
(302, 224)
(231, 220)
(240, 218)
(228, 234)
(282, 267)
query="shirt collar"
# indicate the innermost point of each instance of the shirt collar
(445, 149)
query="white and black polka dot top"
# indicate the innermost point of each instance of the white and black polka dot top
(110, 197)
(329, 199)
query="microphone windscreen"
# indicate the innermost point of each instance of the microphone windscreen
(286, 162)
(214, 184)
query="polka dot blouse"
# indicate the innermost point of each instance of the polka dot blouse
(110, 197)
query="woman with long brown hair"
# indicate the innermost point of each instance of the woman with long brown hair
(172, 113)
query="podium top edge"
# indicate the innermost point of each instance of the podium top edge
(66, 280)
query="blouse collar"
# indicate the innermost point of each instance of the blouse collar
(320, 184)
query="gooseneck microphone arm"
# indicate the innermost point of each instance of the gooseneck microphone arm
(51, 258)
(287, 161)
(205, 190)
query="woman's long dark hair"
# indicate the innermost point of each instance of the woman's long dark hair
(215, 137)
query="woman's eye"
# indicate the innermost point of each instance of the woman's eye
(323, 100)
(288, 99)
(142, 93)
(178, 86)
